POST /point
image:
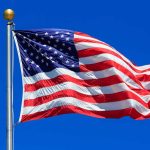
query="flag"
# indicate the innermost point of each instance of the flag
(71, 72)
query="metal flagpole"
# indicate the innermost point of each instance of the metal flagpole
(9, 15)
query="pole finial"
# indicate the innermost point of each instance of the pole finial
(9, 14)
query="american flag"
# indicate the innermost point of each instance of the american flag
(71, 72)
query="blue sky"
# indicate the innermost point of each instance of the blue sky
(123, 24)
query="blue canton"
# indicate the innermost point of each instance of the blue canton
(47, 49)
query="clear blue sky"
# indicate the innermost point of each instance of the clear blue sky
(123, 24)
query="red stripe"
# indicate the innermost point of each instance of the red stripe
(76, 40)
(96, 51)
(140, 91)
(72, 109)
(106, 65)
(98, 66)
(82, 34)
(66, 78)
(143, 77)
(87, 98)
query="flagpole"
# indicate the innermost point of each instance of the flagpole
(9, 15)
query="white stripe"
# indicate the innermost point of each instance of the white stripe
(81, 75)
(143, 67)
(81, 89)
(104, 57)
(146, 98)
(119, 105)
(146, 85)
(77, 75)
(100, 58)
(85, 45)
(85, 37)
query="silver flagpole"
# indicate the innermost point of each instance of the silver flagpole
(9, 15)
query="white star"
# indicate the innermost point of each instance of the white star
(62, 36)
(32, 62)
(46, 33)
(69, 48)
(44, 45)
(63, 44)
(47, 64)
(37, 66)
(56, 32)
(45, 54)
(61, 56)
(72, 65)
(55, 52)
(51, 37)
(25, 50)
(50, 57)
(28, 68)
(28, 35)
(31, 54)
(42, 60)
(24, 37)
(37, 57)
(53, 61)
(50, 48)
(67, 39)
(57, 40)
(68, 33)
(67, 61)
(42, 38)
(36, 34)
(27, 59)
